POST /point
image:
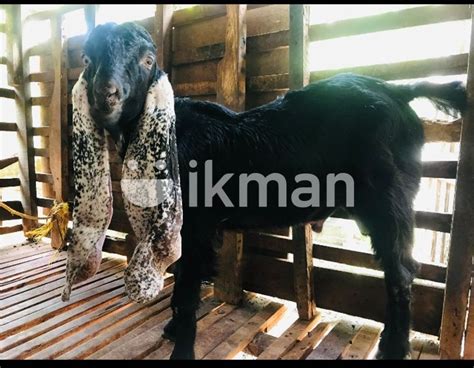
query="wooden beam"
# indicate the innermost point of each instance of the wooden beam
(163, 34)
(264, 83)
(9, 182)
(40, 131)
(18, 68)
(442, 132)
(446, 65)
(89, 14)
(8, 127)
(44, 178)
(43, 77)
(413, 17)
(268, 41)
(41, 152)
(299, 46)
(303, 271)
(3, 60)
(195, 89)
(5, 162)
(231, 93)
(228, 284)
(10, 229)
(357, 294)
(5, 215)
(440, 169)
(462, 232)
(49, 14)
(45, 203)
(469, 342)
(7, 93)
(203, 53)
(231, 69)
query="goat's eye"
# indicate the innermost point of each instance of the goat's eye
(148, 61)
(86, 60)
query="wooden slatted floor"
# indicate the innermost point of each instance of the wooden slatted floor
(100, 322)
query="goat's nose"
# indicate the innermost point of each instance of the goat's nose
(110, 93)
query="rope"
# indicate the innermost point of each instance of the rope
(58, 219)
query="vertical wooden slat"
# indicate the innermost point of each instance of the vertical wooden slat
(469, 344)
(89, 15)
(58, 136)
(231, 93)
(302, 235)
(16, 78)
(462, 232)
(163, 34)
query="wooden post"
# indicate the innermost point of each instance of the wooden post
(462, 232)
(17, 67)
(89, 15)
(58, 137)
(228, 287)
(302, 235)
(163, 24)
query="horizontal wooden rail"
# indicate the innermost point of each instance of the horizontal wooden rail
(447, 65)
(201, 12)
(41, 101)
(266, 83)
(8, 127)
(10, 229)
(5, 162)
(442, 132)
(47, 14)
(413, 17)
(268, 41)
(43, 77)
(195, 89)
(342, 291)
(40, 131)
(351, 257)
(41, 49)
(5, 215)
(7, 93)
(41, 152)
(3, 60)
(44, 178)
(440, 169)
(45, 202)
(9, 182)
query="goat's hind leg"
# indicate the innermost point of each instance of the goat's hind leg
(390, 221)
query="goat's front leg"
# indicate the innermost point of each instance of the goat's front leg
(185, 302)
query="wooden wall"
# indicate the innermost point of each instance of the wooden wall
(196, 47)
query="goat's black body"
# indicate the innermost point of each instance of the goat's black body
(347, 124)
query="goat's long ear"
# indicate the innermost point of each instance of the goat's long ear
(157, 73)
(93, 192)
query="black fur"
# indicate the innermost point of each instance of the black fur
(346, 124)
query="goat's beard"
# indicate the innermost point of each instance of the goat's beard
(151, 156)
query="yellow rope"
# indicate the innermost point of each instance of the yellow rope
(58, 218)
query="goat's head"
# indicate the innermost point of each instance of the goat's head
(119, 68)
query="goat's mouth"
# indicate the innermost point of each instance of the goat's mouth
(106, 117)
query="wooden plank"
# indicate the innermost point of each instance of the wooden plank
(446, 65)
(5, 162)
(405, 18)
(41, 152)
(10, 229)
(469, 342)
(44, 178)
(40, 131)
(303, 278)
(47, 14)
(299, 47)
(230, 86)
(43, 77)
(162, 35)
(462, 232)
(5, 215)
(38, 50)
(9, 182)
(236, 342)
(275, 61)
(195, 89)
(358, 294)
(440, 169)
(228, 284)
(298, 331)
(259, 344)
(8, 127)
(265, 83)
(334, 343)
(351, 257)
(362, 344)
(7, 93)
(3, 60)
(40, 101)
(268, 41)
(442, 132)
(45, 202)
(58, 135)
(13, 261)
(304, 347)
(193, 55)
(34, 270)
(148, 337)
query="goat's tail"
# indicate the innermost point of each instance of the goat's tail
(451, 98)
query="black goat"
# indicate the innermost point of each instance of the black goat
(346, 124)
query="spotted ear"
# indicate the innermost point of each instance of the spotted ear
(93, 192)
(152, 194)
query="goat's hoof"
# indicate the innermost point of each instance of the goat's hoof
(182, 355)
(169, 332)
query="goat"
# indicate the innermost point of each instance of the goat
(345, 124)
